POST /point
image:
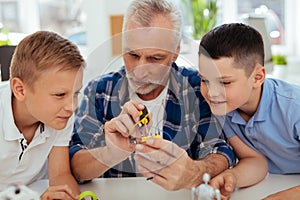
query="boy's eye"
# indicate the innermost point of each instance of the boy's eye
(204, 81)
(60, 94)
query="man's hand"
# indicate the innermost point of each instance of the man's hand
(167, 165)
(118, 148)
(290, 194)
(118, 130)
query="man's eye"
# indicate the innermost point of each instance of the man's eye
(225, 82)
(204, 81)
(76, 94)
(133, 55)
(156, 58)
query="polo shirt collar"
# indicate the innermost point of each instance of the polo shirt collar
(263, 109)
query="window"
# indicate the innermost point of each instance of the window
(272, 11)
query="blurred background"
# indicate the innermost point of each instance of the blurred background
(93, 23)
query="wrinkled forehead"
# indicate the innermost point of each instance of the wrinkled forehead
(151, 37)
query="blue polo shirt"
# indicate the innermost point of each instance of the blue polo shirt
(274, 129)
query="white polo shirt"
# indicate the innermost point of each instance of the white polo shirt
(33, 163)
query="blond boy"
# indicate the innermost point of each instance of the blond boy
(36, 118)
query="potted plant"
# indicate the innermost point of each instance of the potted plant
(280, 66)
(279, 59)
(202, 15)
(4, 40)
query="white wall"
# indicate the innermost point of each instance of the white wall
(98, 54)
(292, 29)
(29, 16)
(98, 29)
(229, 11)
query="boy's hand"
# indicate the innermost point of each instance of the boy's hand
(60, 192)
(225, 182)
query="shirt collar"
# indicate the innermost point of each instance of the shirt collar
(263, 109)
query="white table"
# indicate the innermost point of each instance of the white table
(138, 188)
(271, 184)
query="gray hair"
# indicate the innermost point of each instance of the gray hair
(141, 12)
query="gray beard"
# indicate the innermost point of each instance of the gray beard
(142, 90)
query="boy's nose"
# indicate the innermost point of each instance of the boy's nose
(71, 104)
(214, 91)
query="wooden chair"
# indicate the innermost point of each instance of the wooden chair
(6, 53)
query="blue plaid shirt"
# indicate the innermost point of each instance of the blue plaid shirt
(187, 120)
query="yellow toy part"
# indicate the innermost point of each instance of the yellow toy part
(144, 139)
(87, 194)
(144, 117)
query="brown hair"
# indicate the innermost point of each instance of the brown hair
(43, 50)
(239, 41)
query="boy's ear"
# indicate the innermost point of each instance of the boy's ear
(259, 75)
(17, 87)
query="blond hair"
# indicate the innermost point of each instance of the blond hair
(41, 51)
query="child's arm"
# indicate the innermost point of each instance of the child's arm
(251, 168)
(291, 194)
(61, 181)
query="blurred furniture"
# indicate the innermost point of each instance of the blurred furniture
(116, 23)
(6, 53)
(259, 23)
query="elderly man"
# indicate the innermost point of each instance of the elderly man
(106, 140)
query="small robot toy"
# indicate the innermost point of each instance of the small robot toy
(205, 191)
(19, 192)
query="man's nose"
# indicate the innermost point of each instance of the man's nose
(142, 61)
(141, 71)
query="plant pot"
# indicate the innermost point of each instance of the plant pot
(280, 71)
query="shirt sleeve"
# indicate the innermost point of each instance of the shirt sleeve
(88, 127)
(213, 140)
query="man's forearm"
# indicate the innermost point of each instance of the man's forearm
(86, 166)
(213, 164)
(92, 163)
